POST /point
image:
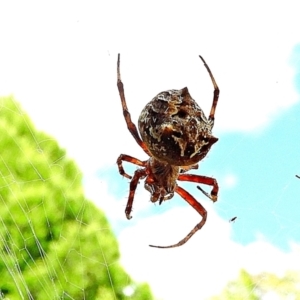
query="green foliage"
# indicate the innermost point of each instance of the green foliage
(54, 244)
(262, 286)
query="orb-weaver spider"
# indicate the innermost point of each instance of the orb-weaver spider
(176, 135)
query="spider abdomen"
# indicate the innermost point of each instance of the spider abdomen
(175, 129)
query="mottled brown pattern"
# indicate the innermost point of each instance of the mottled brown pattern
(176, 135)
(175, 129)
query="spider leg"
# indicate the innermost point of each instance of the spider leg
(205, 193)
(128, 158)
(198, 207)
(130, 125)
(204, 180)
(216, 92)
(138, 174)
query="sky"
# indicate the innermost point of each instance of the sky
(58, 59)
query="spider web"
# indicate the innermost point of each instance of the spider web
(220, 245)
(55, 244)
(224, 245)
(79, 107)
(23, 241)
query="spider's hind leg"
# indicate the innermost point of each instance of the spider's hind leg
(130, 125)
(216, 91)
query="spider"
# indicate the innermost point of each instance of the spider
(176, 135)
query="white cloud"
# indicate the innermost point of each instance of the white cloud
(101, 193)
(202, 267)
(98, 191)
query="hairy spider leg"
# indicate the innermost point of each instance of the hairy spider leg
(198, 207)
(138, 174)
(216, 91)
(130, 125)
(130, 159)
(204, 180)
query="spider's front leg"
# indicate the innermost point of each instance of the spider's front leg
(198, 207)
(130, 159)
(138, 174)
(204, 180)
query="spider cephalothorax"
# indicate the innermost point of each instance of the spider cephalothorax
(176, 135)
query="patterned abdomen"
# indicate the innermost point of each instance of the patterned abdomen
(175, 129)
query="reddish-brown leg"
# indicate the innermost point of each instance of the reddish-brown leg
(204, 180)
(130, 159)
(198, 207)
(138, 174)
(130, 125)
(216, 91)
